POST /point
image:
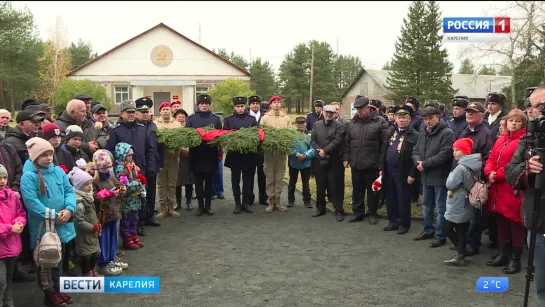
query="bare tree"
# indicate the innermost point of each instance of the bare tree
(55, 61)
(527, 17)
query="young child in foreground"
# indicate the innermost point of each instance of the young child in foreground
(107, 190)
(459, 211)
(44, 185)
(126, 169)
(12, 222)
(88, 228)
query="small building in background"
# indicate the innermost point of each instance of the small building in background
(161, 64)
(373, 84)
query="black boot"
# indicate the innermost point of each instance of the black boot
(238, 205)
(513, 267)
(188, 205)
(246, 205)
(502, 258)
(208, 206)
(200, 211)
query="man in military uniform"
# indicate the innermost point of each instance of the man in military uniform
(87, 99)
(417, 122)
(496, 103)
(143, 109)
(241, 163)
(458, 121)
(398, 170)
(128, 130)
(315, 115)
(203, 159)
(257, 109)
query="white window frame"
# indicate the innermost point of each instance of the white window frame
(127, 91)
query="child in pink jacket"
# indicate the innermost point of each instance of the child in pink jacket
(12, 222)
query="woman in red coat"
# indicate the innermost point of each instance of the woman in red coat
(502, 201)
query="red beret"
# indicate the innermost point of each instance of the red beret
(176, 102)
(163, 105)
(274, 98)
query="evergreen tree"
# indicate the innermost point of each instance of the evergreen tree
(490, 71)
(263, 82)
(420, 65)
(467, 67)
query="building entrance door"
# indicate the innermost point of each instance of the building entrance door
(159, 97)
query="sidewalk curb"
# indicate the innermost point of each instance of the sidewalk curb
(330, 208)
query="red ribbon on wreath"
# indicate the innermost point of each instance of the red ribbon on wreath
(261, 135)
(210, 135)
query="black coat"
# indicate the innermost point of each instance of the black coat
(312, 117)
(64, 120)
(237, 160)
(136, 135)
(458, 125)
(417, 122)
(261, 156)
(406, 166)
(11, 161)
(17, 139)
(76, 153)
(495, 126)
(203, 158)
(329, 137)
(63, 157)
(363, 142)
(158, 149)
(434, 149)
(483, 140)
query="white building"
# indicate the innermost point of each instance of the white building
(373, 84)
(160, 64)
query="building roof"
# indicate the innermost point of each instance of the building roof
(148, 31)
(473, 86)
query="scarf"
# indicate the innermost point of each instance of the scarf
(87, 196)
(104, 176)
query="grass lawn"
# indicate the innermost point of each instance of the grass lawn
(415, 210)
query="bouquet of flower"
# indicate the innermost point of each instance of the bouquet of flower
(143, 182)
(64, 168)
(103, 195)
(377, 184)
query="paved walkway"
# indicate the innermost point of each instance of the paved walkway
(291, 259)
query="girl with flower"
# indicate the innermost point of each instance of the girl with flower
(127, 171)
(108, 192)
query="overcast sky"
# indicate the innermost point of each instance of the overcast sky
(258, 29)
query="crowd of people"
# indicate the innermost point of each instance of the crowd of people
(98, 181)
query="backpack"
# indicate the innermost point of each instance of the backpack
(478, 193)
(48, 252)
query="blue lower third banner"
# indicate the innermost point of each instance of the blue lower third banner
(114, 284)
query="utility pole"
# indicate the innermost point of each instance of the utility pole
(311, 76)
(199, 33)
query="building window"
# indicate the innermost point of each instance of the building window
(121, 93)
(201, 90)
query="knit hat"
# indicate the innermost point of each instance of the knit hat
(50, 130)
(130, 152)
(101, 159)
(36, 147)
(79, 178)
(464, 145)
(3, 170)
(73, 131)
